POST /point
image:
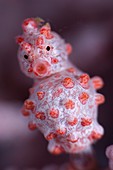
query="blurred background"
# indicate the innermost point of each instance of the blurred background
(88, 26)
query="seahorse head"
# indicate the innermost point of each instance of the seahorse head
(42, 52)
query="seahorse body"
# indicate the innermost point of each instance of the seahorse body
(63, 101)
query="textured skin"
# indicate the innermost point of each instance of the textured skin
(63, 102)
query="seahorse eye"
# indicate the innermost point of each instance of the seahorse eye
(48, 48)
(26, 56)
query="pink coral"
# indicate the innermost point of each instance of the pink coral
(63, 101)
(109, 154)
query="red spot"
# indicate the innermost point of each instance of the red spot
(84, 79)
(69, 104)
(29, 23)
(54, 113)
(40, 42)
(68, 48)
(71, 138)
(85, 121)
(83, 97)
(71, 70)
(97, 82)
(58, 150)
(74, 122)
(51, 136)
(29, 104)
(68, 82)
(30, 69)
(32, 126)
(40, 115)
(40, 95)
(61, 131)
(54, 60)
(26, 46)
(99, 98)
(25, 112)
(95, 135)
(46, 30)
(19, 39)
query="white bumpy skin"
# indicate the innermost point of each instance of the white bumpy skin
(63, 102)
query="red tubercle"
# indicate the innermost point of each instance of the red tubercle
(73, 122)
(54, 60)
(40, 95)
(58, 150)
(97, 82)
(46, 30)
(29, 104)
(40, 42)
(25, 112)
(19, 39)
(94, 135)
(68, 82)
(84, 80)
(69, 48)
(61, 131)
(30, 69)
(26, 46)
(51, 136)
(32, 126)
(71, 138)
(86, 121)
(29, 23)
(71, 70)
(40, 115)
(99, 99)
(69, 104)
(54, 113)
(83, 97)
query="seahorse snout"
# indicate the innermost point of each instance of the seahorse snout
(41, 69)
